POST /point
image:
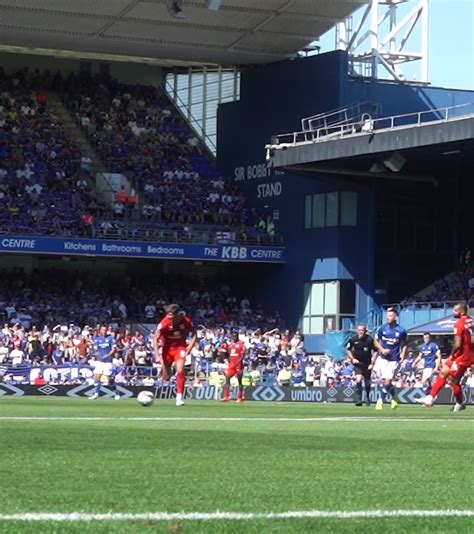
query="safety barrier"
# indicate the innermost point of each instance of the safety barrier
(263, 393)
(366, 125)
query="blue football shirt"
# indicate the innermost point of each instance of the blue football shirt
(392, 338)
(428, 351)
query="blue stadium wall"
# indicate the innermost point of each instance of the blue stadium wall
(274, 98)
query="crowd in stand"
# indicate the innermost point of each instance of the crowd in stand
(45, 179)
(458, 285)
(23, 349)
(50, 318)
(56, 296)
(139, 133)
(42, 189)
(63, 354)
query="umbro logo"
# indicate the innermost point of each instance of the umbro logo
(268, 394)
(48, 390)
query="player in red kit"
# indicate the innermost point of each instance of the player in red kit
(236, 350)
(173, 332)
(461, 359)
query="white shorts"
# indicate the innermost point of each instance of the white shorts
(103, 368)
(427, 373)
(386, 368)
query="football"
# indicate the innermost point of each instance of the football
(146, 398)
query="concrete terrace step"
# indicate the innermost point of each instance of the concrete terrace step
(74, 130)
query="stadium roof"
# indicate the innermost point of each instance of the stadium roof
(415, 147)
(239, 32)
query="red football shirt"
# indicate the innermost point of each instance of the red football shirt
(174, 336)
(236, 352)
(464, 329)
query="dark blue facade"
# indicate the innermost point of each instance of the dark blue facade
(274, 99)
(399, 99)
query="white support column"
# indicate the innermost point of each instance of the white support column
(387, 36)
(374, 37)
(190, 92)
(393, 24)
(175, 87)
(236, 84)
(358, 28)
(219, 85)
(342, 43)
(204, 102)
(425, 36)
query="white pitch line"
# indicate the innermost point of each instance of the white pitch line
(228, 419)
(232, 516)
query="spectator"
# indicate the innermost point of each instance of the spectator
(284, 377)
(122, 196)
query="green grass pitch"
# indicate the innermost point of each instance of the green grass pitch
(257, 458)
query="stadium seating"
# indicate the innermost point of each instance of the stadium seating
(49, 315)
(45, 188)
(459, 285)
(137, 132)
(456, 286)
(62, 297)
(42, 190)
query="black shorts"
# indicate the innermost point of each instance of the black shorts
(361, 369)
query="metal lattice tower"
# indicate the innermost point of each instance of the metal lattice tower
(373, 48)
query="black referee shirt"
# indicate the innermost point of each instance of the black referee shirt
(362, 348)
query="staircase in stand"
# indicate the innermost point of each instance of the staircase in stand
(97, 180)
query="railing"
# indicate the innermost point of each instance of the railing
(368, 125)
(343, 115)
(373, 319)
(106, 189)
(411, 314)
(128, 231)
(165, 234)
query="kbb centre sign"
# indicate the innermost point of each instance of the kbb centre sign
(141, 249)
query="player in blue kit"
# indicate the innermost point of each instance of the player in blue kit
(430, 353)
(103, 346)
(390, 341)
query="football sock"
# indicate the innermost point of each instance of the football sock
(392, 391)
(180, 380)
(367, 390)
(439, 384)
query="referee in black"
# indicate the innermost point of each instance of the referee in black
(360, 352)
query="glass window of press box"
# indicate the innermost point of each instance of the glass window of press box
(328, 306)
(325, 210)
(198, 92)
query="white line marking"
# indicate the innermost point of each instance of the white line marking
(260, 419)
(233, 516)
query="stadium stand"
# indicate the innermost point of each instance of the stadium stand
(137, 132)
(50, 297)
(29, 350)
(456, 286)
(42, 188)
(47, 185)
(63, 354)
